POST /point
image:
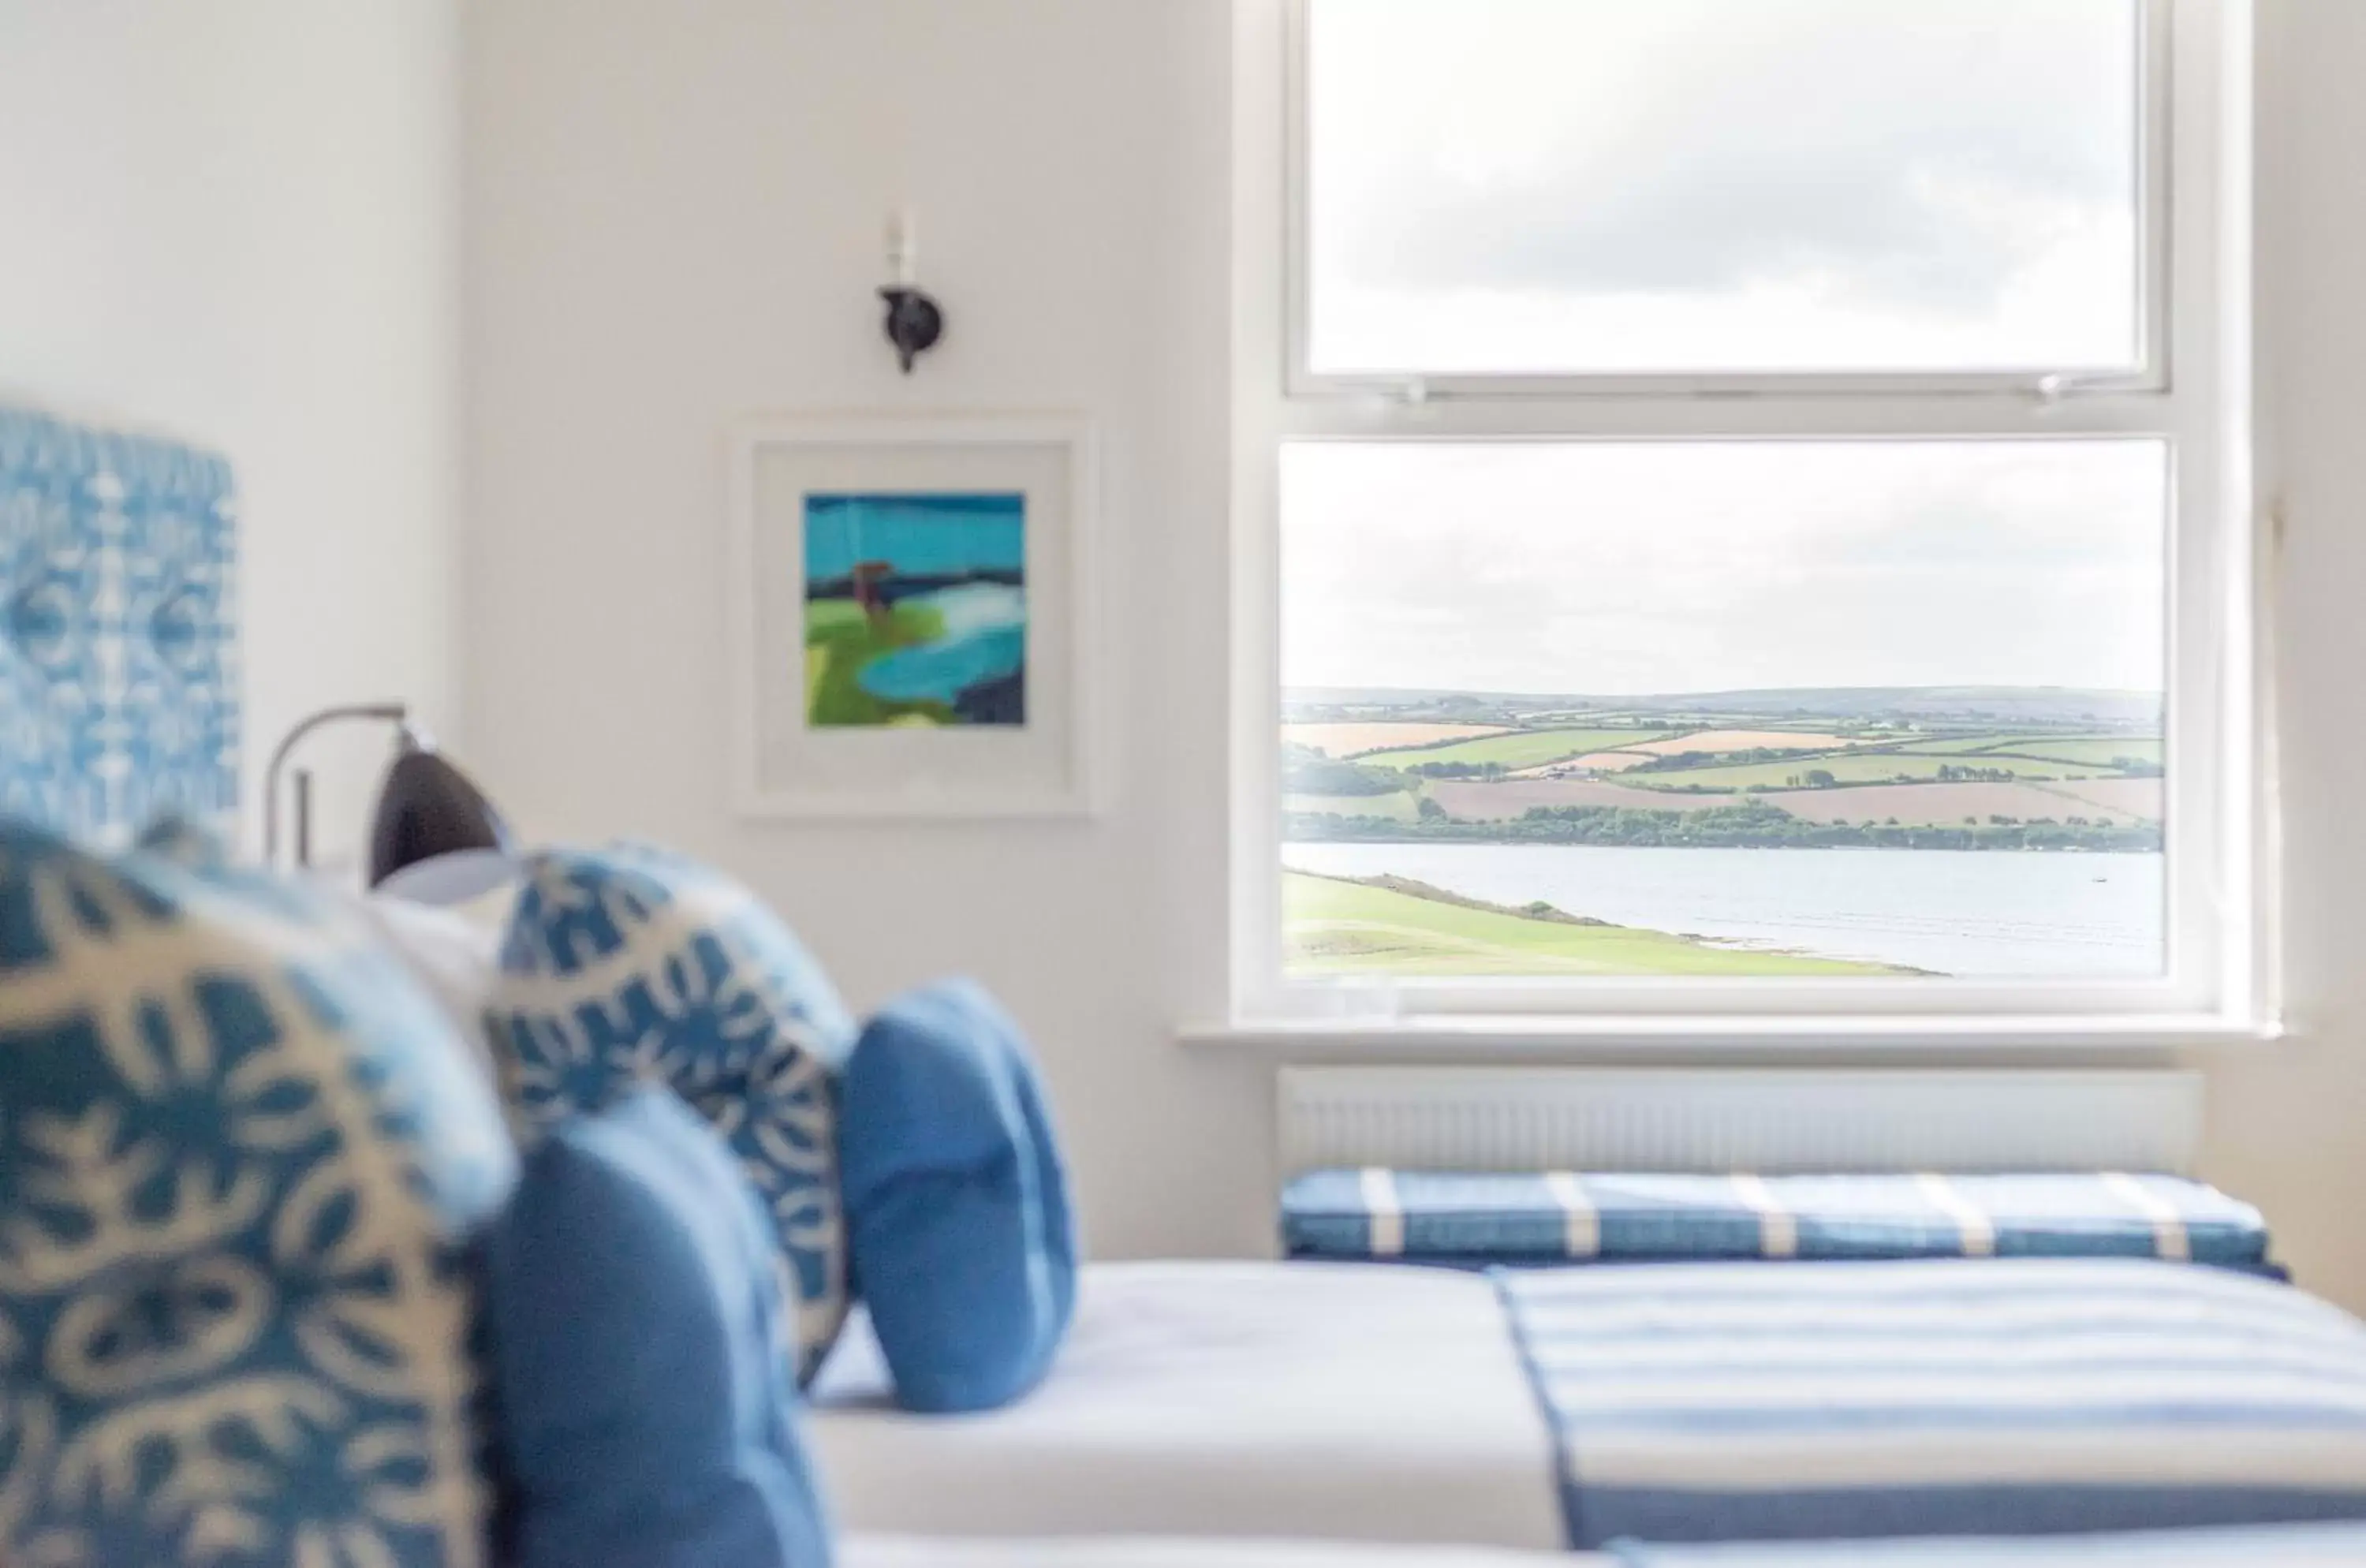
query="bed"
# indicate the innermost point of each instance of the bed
(2271, 1546)
(1673, 1403)
(2282, 1546)
(924, 1552)
(1342, 1402)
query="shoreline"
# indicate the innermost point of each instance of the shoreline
(1593, 844)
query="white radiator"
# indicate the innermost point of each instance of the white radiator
(1549, 1119)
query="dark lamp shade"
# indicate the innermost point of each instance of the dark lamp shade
(429, 808)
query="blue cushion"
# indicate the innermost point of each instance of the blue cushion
(956, 1199)
(631, 965)
(648, 1400)
(241, 1160)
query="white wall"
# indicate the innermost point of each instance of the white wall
(674, 219)
(676, 216)
(2288, 1123)
(235, 222)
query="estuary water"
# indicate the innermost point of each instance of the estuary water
(1986, 914)
(985, 639)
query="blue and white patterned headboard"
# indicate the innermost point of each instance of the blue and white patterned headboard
(119, 690)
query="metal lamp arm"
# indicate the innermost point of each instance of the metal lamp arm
(385, 713)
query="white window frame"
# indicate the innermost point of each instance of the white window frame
(2192, 391)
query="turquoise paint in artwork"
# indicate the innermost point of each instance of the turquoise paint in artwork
(924, 535)
(915, 609)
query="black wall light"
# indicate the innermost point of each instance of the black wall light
(425, 807)
(915, 321)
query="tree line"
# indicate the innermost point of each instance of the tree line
(1749, 824)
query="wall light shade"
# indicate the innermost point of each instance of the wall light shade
(454, 881)
(428, 808)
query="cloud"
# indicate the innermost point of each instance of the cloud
(1713, 148)
(1611, 567)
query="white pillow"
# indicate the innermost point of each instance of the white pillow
(450, 954)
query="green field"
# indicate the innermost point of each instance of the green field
(1955, 745)
(1572, 718)
(1856, 768)
(2071, 748)
(2101, 751)
(1398, 807)
(840, 640)
(1332, 927)
(1524, 748)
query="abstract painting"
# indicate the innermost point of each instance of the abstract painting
(915, 609)
(911, 619)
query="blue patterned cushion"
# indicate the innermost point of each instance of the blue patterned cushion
(176, 837)
(630, 964)
(241, 1158)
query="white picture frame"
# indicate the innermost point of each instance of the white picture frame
(812, 737)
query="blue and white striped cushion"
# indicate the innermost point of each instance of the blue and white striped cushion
(1560, 1216)
(2001, 1396)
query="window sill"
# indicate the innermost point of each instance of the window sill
(2064, 1041)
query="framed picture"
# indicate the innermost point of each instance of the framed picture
(909, 617)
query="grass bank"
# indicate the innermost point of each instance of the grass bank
(1337, 926)
(840, 639)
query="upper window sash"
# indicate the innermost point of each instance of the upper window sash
(2175, 111)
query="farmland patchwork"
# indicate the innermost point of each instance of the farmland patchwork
(2064, 772)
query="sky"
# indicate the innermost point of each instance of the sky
(1735, 184)
(1636, 569)
(1738, 185)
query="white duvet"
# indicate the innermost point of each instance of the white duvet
(1303, 1415)
(1300, 1402)
(875, 1551)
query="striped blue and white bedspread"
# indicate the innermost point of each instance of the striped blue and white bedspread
(2001, 1397)
(2266, 1546)
(1580, 1217)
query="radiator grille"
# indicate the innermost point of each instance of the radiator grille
(1540, 1118)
